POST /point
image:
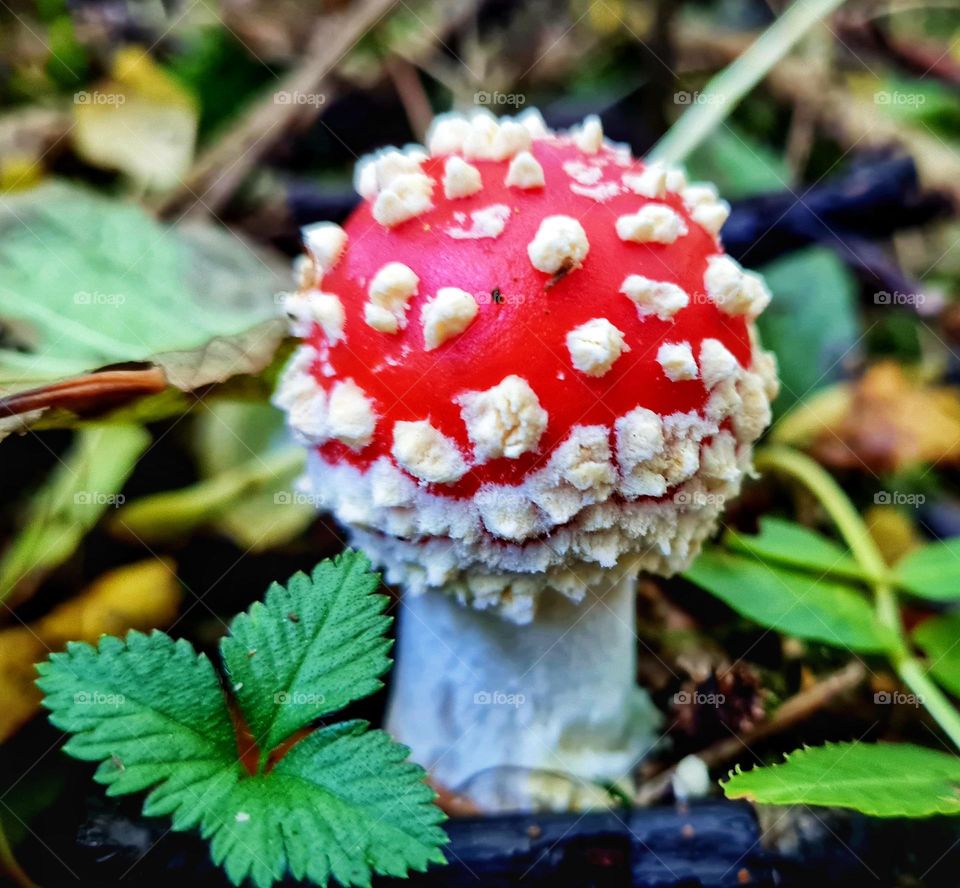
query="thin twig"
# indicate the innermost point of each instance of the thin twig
(800, 139)
(792, 711)
(220, 171)
(925, 58)
(413, 97)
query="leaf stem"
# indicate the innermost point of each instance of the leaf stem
(831, 496)
(857, 536)
(724, 91)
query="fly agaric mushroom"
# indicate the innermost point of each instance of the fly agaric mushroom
(528, 372)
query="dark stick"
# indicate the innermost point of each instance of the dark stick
(877, 196)
(710, 844)
(714, 845)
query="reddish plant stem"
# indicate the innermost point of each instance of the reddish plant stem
(82, 390)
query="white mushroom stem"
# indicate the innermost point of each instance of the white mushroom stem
(473, 692)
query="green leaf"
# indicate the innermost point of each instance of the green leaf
(309, 649)
(794, 545)
(152, 712)
(882, 780)
(811, 323)
(219, 69)
(738, 164)
(86, 481)
(90, 282)
(790, 602)
(342, 803)
(932, 571)
(939, 639)
(919, 102)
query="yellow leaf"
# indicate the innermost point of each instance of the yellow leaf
(605, 17)
(143, 596)
(892, 531)
(19, 650)
(891, 422)
(139, 121)
(614, 17)
(819, 412)
(135, 68)
(19, 172)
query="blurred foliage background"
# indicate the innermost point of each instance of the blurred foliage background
(157, 158)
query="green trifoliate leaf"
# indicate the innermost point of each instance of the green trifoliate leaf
(790, 602)
(939, 639)
(341, 804)
(794, 545)
(309, 649)
(932, 571)
(152, 712)
(882, 780)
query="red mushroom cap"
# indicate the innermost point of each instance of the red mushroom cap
(539, 332)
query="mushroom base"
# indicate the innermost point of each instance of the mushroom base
(474, 693)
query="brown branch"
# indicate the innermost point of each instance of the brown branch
(412, 95)
(220, 170)
(791, 712)
(924, 57)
